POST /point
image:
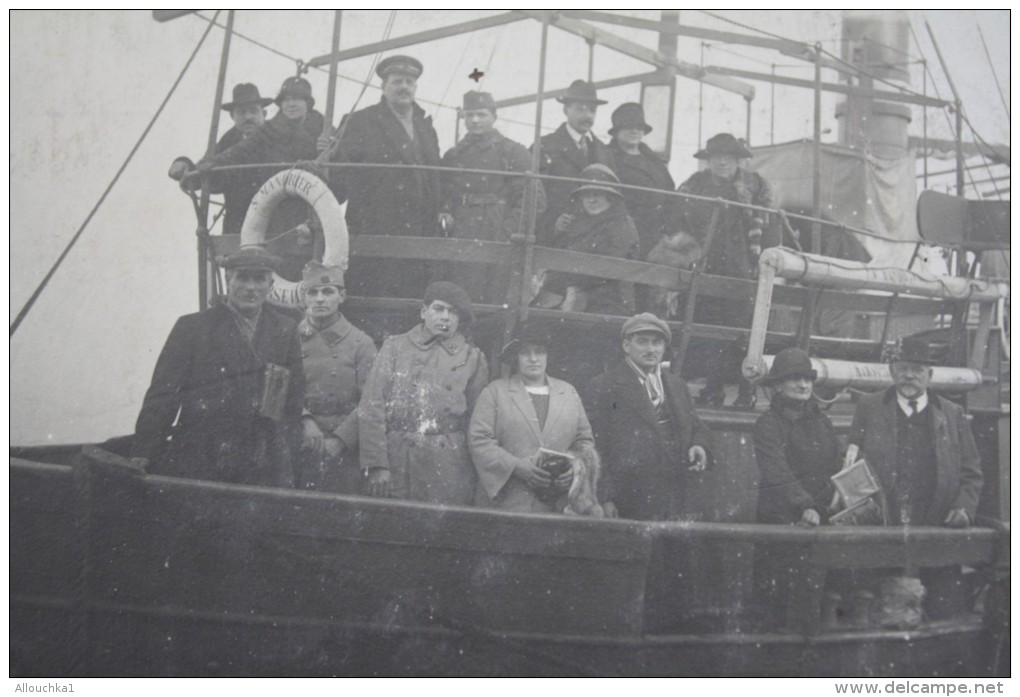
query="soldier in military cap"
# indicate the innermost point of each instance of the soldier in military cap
(484, 206)
(225, 399)
(337, 357)
(567, 151)
(415, 408)
(247, 109)
(390, 201)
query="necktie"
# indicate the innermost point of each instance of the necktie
(583, 145)
(654, 388)
(913, 406)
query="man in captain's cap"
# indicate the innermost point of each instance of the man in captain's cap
(225, 399)
(484, 206)
(247, 109)
(390, 201)
(337, 357)
(416, 405)
(652, 442)
(567, 151)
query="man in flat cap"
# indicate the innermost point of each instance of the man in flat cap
(290, 136)
(390, 201)
(247, 109)
(416, 405)
(484, 206)
(337, 358)
(566, 152)
(225, 399)
(919, 445)
(652, 442)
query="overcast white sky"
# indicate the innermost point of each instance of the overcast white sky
(83, 85)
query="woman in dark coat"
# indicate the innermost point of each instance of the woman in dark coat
(795, 446)
(635, 164)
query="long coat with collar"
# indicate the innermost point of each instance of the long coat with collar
(649, 211)
(504, 432)
(641, 475)
(336, 361)
(495, 212)
(210, 372)
(413, 415)
(560, 157)
(796, 451)
(388, 201)
(957, 466)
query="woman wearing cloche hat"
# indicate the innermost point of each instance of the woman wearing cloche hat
(795, 446)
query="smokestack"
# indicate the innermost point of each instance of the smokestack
(876, 41)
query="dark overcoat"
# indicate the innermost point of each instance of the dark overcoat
(730, 254)
(212, 375)
(796, 452)
(957, 466)
(388, 201)
(561, 157)
(237, 188)
(650, 211)
(642, 475)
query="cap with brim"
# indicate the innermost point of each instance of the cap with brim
(525, 333)
(912, 349)
(724, 144)
(629, 115)
(295, 87)
(581, 91)
(453, 295)
(251, 257)
(406, 65)
(790, 363)
(474, 101)
(246, 93)
(316, 274)
(646, 322)
(601, 181)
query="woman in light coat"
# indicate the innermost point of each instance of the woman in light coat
(513, 418)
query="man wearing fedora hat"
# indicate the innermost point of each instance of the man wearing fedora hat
(484, 206)
(289, 137)
(247, 109)
(567, 151)
(390, 201)
(732, 251)
(414, 411)
(919, 445)
(635, 164)
(337, 358)
(651, 440)
(225, 399)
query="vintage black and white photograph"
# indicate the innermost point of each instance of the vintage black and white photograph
(510, 343)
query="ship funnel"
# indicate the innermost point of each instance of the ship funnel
(877, 42)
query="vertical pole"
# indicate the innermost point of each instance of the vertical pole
(747, 130)
(327, 128)
(527, 229)
(701, 94)
(959, 147)
(202, 232)
(924, 120)
(816, 188)
(591, 60)
(772, 109)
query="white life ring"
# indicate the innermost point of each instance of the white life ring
(305, 185)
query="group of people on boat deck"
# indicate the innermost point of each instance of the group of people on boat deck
(243, 394)
(598, 217)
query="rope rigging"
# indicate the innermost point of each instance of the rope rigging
(63, 255)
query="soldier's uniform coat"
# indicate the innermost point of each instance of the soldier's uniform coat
(413, 415)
